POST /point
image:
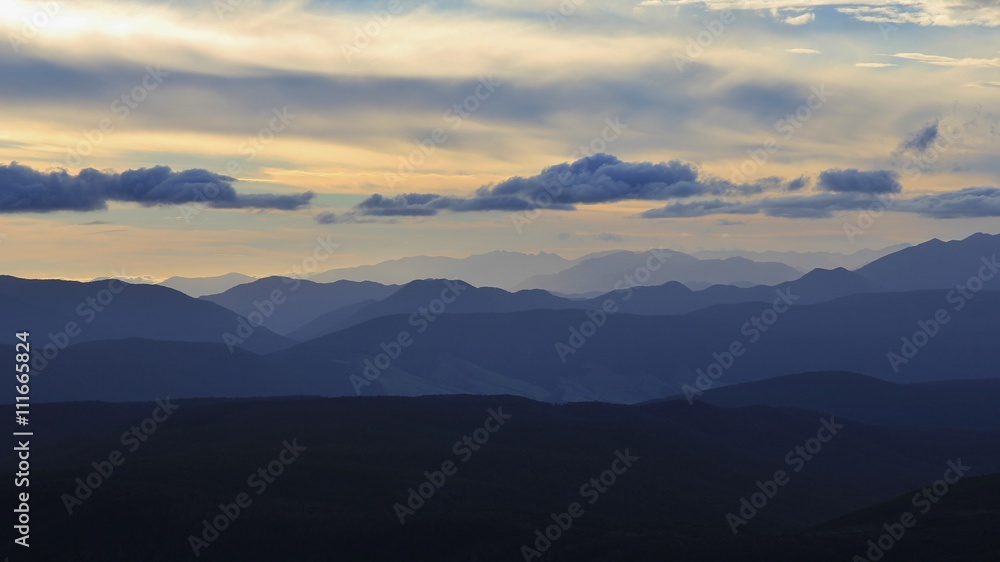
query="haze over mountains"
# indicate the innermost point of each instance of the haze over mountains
(630, 344)
(807, 261)
(600, 270)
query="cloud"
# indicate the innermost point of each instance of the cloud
(703, 208)
(609, 237)
(803, 51)
(326, 218)
(803, 19)
(855, 181)
(921, 140)
(402, 205)
(874, 65)
(970, 202)
(798, 183)
(821, 205)
(728, 222)
(948, 13)
(947, 61)
(600, 178)
(25, 190)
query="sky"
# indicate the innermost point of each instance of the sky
(196, 138)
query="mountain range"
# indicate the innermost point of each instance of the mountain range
(515, 270)
(281, 336)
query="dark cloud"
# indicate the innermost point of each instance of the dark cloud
(609, 237)
(855, 181)
(799, 183)
(728, 222)
(600, 178)
(402, 205)
(970, 202)
(25, 190)
(326, 218)
(820, 205)
(921, 140)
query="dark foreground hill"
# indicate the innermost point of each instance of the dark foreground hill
(957, 404)
(688, 466)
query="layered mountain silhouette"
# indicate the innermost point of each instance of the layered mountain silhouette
(655, 267)
(64, 313)
(199, 286)
(629, 345)
(936, 264)
(492, 269)
(287, 304)
(807, 261)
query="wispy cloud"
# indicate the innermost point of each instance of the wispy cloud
(801, 19)
(939, 60)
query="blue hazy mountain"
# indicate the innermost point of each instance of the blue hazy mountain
(606, 272)
(415, 295)
(492, 269)
(287, 304)
(70, 312)
(936, 264)
(806, 261)
(198, 286)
